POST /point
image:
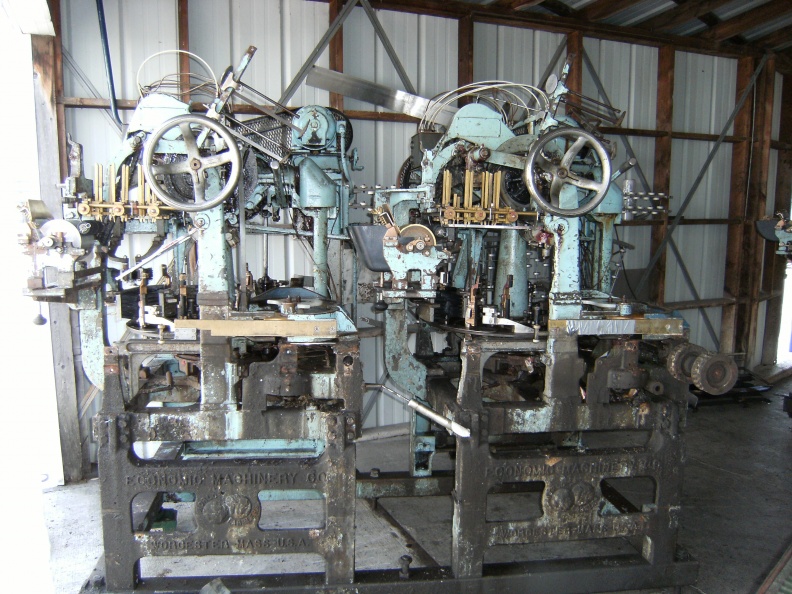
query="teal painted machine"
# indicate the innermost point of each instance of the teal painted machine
(495, 266)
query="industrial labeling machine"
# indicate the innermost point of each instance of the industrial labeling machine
(489, 269)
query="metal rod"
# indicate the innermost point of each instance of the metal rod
(408, 86)
(320, 270)
(165, 247)
(108, 63)
(320, 47)
(241, 261)
(421, 409)
(678, 217)
(284, 231)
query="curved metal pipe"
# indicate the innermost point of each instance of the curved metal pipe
(108, 63)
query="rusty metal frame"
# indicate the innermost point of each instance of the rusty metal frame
(226, 490)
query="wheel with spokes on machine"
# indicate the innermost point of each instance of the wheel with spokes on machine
(182, 153)
(567, 156)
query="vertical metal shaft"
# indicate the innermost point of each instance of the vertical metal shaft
(242, 261)
(513, 261)
(320, 271)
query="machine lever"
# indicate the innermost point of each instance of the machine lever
(164, 248)
(624, 168)
(421, 409)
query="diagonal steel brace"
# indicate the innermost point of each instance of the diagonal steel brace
(330, 33)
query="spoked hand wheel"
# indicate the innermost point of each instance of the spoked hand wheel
(567, 156)
(192, 146)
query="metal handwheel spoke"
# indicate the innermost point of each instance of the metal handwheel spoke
(572, 152)
(217, 160)
(555, 189)
(546, 163)
(586, 184)
(225, 164)
(199, 188)
(171, 168)
(189, 140)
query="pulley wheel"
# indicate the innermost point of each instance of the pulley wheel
(680, 361)
(714, 373)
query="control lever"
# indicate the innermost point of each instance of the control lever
(421, 409)
(624, 168)
(164, 248)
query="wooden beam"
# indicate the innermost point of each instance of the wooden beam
(465, 55)
(775, 39)
(336, 52)
(748, 20)
(600, 10)
(574, 81)
(737, 200)
(694, 304)
(558, 8)
(662, 169)
(499, 15)
(753, 244)
(60, 114)
(183, 30)
(775, 264)
(243, 108)
(684, 13)
(44, 85)
(683, 221)
(519, 4)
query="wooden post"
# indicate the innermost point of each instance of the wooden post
(739, 180)
(574, 81)
(336, 52)
(775, 265)
(465, 54)
(753, 245)
(183, 26)
(662, 170)
(60, 110)
(44, 89)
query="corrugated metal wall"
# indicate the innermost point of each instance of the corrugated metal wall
(629, 76)
(704, 98)
(285, 32)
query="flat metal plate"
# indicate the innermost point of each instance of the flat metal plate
(617, 326)
(270, 327)
(363, 90)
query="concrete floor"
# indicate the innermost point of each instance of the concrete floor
(737, 518)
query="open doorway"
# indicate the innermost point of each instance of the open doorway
(784, 355)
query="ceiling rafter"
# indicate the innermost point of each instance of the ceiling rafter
(518, 4)
(748, 20)
(775, 39)
(602, 9)
(559, 8)
(682, 14)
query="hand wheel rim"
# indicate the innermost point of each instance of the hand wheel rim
(591, 141)
(194, 162)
